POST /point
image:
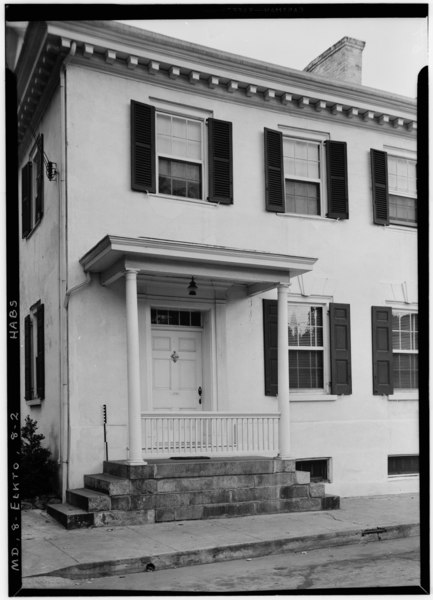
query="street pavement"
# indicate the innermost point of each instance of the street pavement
(50, 550)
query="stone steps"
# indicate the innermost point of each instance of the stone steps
(167, 490)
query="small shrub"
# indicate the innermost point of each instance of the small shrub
(37, 470)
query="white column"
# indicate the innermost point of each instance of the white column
(283, 372)
(134, 399)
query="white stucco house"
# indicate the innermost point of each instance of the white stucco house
(218, 260)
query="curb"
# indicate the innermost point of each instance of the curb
(189, 558)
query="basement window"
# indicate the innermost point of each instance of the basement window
(318, 469)
(403, 465)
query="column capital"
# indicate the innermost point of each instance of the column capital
(131, 273)
(283, 286)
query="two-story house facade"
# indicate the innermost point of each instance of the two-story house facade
(218, 258)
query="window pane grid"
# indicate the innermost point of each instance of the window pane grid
(179, 178)
(183, 318)
(305, 347)
(405, 349)
(402, 175)
(302, 197)
(404, 331)
(179, 137)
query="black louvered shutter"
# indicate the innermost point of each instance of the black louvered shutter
(270, 337)
(220, 148)
(28, 358)
(341, 369)
(26, 199)
(336, 170)
(381, 318)
(143, 178)
(274, 171)
(379, 179)
(40, 358)
(39, 165)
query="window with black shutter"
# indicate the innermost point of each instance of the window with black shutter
(381, 317)
(336, 168)
(34, 353)
(32, 189)
(220, 161)
(394, 188)
(168, 155)
(309, 355)
(339, 329)
(142, 147)
(294, 175)
(395, 350)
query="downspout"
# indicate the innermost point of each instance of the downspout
(64, 394)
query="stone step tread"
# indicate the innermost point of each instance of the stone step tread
(67, 509)
(88, 493)
(71, 517)
(106, 477)
(88, 499)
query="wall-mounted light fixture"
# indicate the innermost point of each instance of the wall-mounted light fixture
(51, 170)
(192, 287)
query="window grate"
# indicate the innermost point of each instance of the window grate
(317, 468)
(403, 465)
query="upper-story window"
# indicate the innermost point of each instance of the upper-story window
(299, 171)
(181, 156)
(302, 176)
(394, 189)
(32, 189)
(402, 190)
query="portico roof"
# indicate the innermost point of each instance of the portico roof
(114, 255)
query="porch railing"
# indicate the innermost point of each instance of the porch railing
(209, 433)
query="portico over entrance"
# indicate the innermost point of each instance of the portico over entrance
(175, 353)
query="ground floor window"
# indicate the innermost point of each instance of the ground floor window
(305, 347)
(403, 465)
(34, 353)
(405, 349)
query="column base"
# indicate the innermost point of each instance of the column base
(286, 456)
(135, 461)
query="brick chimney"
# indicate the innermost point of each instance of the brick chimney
(342, 61)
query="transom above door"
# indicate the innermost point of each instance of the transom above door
(176, 359)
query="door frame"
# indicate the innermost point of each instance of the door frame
(213, 345)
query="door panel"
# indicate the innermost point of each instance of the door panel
(176, 368)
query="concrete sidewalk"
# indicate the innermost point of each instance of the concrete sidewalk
(48, 549)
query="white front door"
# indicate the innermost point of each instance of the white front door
(176, 368)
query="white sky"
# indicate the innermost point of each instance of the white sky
(395, 50)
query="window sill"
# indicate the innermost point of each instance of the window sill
(403, 476)
(398, 227)
(183, 199)
(402, 396)
(307, 217)
(34, 402)
(311, 397)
